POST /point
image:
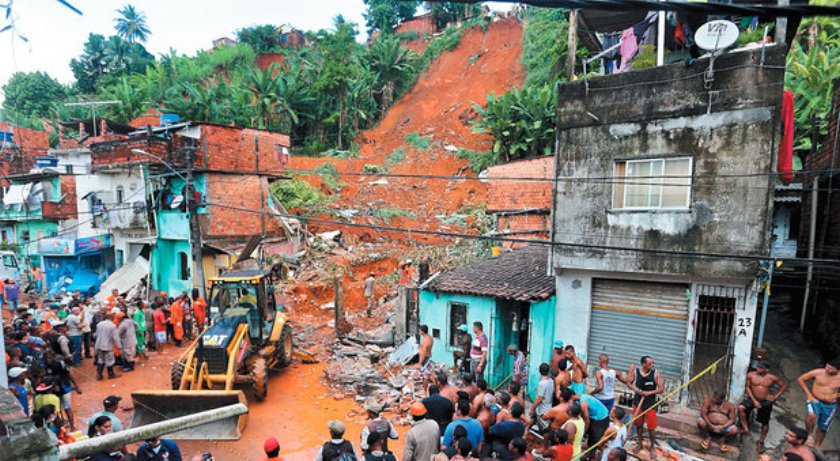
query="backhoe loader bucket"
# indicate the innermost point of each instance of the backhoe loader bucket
(153, 406)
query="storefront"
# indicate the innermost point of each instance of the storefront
(80, 264)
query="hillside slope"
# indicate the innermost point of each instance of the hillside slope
(439, 106)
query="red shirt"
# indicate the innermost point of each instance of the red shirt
(160, 320)
(563, 452)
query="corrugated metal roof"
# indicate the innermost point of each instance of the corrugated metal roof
(519, 275)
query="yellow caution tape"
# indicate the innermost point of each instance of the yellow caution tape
(709, 370)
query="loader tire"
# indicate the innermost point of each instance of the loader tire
(259, 373)
(176, 375)
(285, 347)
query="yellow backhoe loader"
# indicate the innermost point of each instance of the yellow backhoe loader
(248, 337)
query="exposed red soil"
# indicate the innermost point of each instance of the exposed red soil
(432, 108)
(439, 106)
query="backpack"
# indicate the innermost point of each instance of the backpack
(343, 452)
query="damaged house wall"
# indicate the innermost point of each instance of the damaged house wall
(722, 139)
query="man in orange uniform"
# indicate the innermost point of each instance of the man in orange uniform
(176, 318)
(200, 309)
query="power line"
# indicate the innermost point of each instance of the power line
(674, 253)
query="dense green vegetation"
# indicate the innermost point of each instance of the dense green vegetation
(322, 94)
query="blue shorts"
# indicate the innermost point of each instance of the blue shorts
(824, 412)
(578, 388)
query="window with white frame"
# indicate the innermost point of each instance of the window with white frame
(650, 184)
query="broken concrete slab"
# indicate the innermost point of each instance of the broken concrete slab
(403, 354)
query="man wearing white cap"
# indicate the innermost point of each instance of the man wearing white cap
(17, 375)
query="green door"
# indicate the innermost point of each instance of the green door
(501, 336)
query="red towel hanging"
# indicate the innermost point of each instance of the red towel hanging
(785, 163)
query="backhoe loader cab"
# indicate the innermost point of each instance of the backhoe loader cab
(247, 337)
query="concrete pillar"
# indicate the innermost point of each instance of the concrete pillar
(742, 350)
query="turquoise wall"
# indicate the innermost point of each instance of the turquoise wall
(173, 225)
(542, 340)
(166, 266)
(434, 312)
(47, 228)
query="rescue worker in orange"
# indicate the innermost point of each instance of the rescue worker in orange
(200, 310)
(176, 319)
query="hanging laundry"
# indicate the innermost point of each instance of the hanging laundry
(785, 161)
(611, 58)
(628, 49)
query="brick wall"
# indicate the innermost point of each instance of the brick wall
(31, 144)
(66, 208)
(507, 195)
(242, 194)
(227, 148)
(121, 152)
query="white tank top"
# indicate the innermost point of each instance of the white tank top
(608, 392)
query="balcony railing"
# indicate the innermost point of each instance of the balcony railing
(126, 215)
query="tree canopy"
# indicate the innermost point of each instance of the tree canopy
(384, 15)
(263, 38)
(32, 94)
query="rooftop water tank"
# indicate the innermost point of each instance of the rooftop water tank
(169, 119)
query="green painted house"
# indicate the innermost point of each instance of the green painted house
(511, 295)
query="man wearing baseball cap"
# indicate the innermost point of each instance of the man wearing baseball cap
(110, 404)
(17, 376)
(337, 448)
(272, 449)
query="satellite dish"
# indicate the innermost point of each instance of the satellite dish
(716, 35)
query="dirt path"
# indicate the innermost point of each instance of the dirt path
(296, 411)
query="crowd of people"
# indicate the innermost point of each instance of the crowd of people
(48, 337)
(575, 416)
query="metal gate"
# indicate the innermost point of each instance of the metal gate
(713, 338)
(630, 319)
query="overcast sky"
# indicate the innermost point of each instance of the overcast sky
(56, 34)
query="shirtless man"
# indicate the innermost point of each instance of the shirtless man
(515, 391)
(485, 415)
(561, 380)
(469, 387)
(579, 373)
(424, 365)
(450, 392)
(717, 417)
(822, 398)
(796, 438)
(558, 415)
(759, 397)
(558, 359)
(478, 400)
(503, 401)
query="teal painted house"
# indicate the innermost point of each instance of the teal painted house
(511, 295)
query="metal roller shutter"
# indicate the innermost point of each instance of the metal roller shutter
(631, 319)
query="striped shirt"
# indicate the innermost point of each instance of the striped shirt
(520, 367)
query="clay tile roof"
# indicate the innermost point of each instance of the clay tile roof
(519, 275)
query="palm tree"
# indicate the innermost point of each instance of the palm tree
(131, 24)
(390, 62)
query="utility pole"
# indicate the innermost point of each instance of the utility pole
(812, 234)
(765, 304)
(572, 52)
(195, 229)
(92, 105)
